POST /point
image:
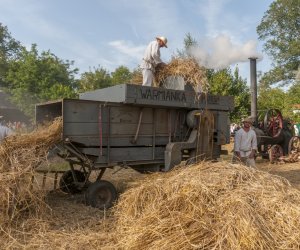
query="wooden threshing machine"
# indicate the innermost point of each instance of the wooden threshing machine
(148, 129)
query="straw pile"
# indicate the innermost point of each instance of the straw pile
(189, 69)
(19, 156)
(137, 77)
(293, 157)
(70, 229)
(212, 206)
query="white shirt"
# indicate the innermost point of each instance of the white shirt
(4, 131)
(151, 56)
(244, 142)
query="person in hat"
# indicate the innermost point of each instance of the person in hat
(152, 59)
(4, 131)
(245, 143)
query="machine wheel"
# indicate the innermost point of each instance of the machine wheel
(294, 144)
(101, 194)
(275, 153)
(273, 122)
(67, 184)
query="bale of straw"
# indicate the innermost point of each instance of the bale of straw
(210, 206)
(19, 156)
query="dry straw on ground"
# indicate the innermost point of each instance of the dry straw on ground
(210, 206)
(19, 156)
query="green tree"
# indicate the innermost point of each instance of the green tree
(276, 98)
(272, 98)
(97, 79)
(280, 29)
(223, 82)
(293, 97)
(9, 50)
(121, 75)
(188, 42)
(34, 78)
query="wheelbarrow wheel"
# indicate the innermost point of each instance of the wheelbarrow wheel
(67, 183)
(101, 194)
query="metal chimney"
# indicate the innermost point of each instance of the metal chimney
(253, 88)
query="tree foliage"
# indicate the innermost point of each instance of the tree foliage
(121, 75)
(9, 50)
(223, 82)
(96, 79)
(272, 98)
(188, 42)
(293, 97)
(280, 29)
(102, 78)
(276, 98)
(34, 78)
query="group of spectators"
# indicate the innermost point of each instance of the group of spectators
(8, 128)
(15, 126)
(4, 132)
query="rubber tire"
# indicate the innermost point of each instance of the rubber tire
(94, 191)
(66, 182)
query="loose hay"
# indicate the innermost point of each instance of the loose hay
(70, 225)
(189, 69)
(210, 206)
(19, 156)
(192, 73)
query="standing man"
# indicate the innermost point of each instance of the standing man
(4, 131)
(152, 59)
(245, 143)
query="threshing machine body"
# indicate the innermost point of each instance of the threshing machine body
(146, 128)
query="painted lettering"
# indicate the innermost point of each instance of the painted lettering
(160, 95)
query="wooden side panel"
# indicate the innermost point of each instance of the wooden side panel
(94, 124)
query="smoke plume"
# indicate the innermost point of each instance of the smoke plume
(221, 52)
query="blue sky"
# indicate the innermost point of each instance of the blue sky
(116, 32)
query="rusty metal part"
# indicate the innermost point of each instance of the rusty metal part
(273, 122)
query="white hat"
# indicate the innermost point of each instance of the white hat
(163, 39)
(248, 119)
